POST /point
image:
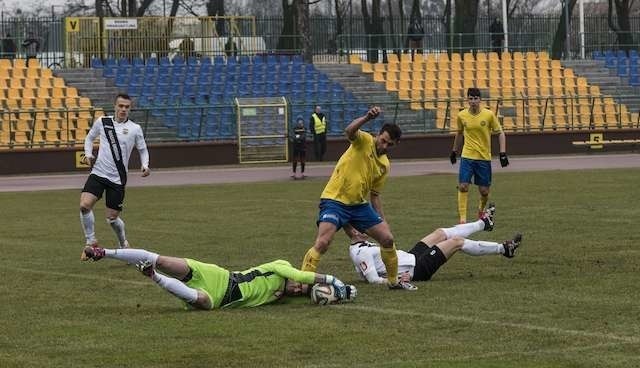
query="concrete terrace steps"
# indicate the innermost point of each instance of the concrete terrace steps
(609, 82)
(366, 90)
(101, 91)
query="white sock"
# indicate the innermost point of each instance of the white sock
(176, 287)
(118, 227)
(132, 256)
(464, 230)
(481, 248)
(87, 220)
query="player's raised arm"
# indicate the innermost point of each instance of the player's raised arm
(352, 129)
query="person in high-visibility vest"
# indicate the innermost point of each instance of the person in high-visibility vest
(318, 128)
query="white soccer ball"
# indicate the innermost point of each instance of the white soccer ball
(323, 294)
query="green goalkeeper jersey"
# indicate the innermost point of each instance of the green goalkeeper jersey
(259, 285)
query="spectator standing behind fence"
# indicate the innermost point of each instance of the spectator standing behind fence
(416, 34)
(31, 46)
(8, 47)
(318, 128)
(497, 35)
(231, 48)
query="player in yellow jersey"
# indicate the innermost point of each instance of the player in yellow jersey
(359, 177)
(476, 125)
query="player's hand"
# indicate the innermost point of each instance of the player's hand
(504, 161)
(339, 286)
(87, 160)
(145, 171)
(373, 112)
(453, 157)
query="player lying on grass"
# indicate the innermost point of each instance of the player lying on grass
(208, 286)
(431, 252)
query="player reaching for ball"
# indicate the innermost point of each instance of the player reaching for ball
(431, 252)
(208, 286)
(352, 195)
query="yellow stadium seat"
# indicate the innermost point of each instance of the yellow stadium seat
(555, 64)
(391, 85)
(379, 67)
(392, 58)
(17, 73)
(379, 76)
(354, 59)
(405, 58)
(71, 102)
(5, 64)
(46, 73)
(19, 64)
(21, 138)
(366, 68)
(443, 64)
(33, 73)
(393, 67)
(43, 92)
(71, 92)
(45, 82)
(417, 66)
(30, 83)
(406, 66)
(16, 83)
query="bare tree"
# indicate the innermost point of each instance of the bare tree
(373, 27)
(304, 29)
(623, 28)
(464, 25)
(561, 31)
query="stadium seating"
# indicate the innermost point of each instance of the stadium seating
(529, 90)
(193, 96)
(38, 107)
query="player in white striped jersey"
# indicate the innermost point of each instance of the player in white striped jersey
(431, 252)
(118, 136)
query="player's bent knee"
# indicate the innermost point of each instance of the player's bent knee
(84, 209)
(386, 241)
(463, 188)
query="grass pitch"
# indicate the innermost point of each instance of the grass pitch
(568, 299)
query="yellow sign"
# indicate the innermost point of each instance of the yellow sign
(595, 137)
(72, 24)
(79, 163)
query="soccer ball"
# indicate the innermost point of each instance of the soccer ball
(323, 294)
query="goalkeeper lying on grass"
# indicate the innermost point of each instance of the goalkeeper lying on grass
(208, 286)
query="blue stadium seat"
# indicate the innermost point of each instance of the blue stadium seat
(284, 59)
(177, 60)
(123, 62)
(153, 61)
(96, 63)
(272, 60)
(244, 59)
(206, 60)
(621, 66)
(137, 61)
(192, 60)
(610, 59)
(634, 80)
(297, 59)
(259, 60)
(164, 61)
(218, 60)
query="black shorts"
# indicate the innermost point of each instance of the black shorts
(428, 261)
(299, 154)
(115, 192)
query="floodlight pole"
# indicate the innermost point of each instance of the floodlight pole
(505, 25)
(581, 9)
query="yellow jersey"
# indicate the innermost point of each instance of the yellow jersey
(477, 131)
(359, 172)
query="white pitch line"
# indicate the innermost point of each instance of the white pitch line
(77, 276)
(523, 326)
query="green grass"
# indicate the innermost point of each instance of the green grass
(569, 298)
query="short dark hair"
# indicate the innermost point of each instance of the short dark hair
(474, 92)
(393, 129)
(122, 95)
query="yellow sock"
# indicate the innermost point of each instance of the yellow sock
(483, 202)
(311, 260)
(390, 259)
(462, 206)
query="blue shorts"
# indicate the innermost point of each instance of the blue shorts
(480, 170)
(360, 216)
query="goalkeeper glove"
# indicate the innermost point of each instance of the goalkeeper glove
(339, 286)
(452, 157)
(504, 161)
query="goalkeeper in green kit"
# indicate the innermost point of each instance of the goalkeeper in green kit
(208, 286)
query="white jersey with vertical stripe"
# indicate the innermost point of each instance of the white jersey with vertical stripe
(129, 135)
(368, 262)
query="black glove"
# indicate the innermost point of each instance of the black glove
(504, 161)
(452, 157)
